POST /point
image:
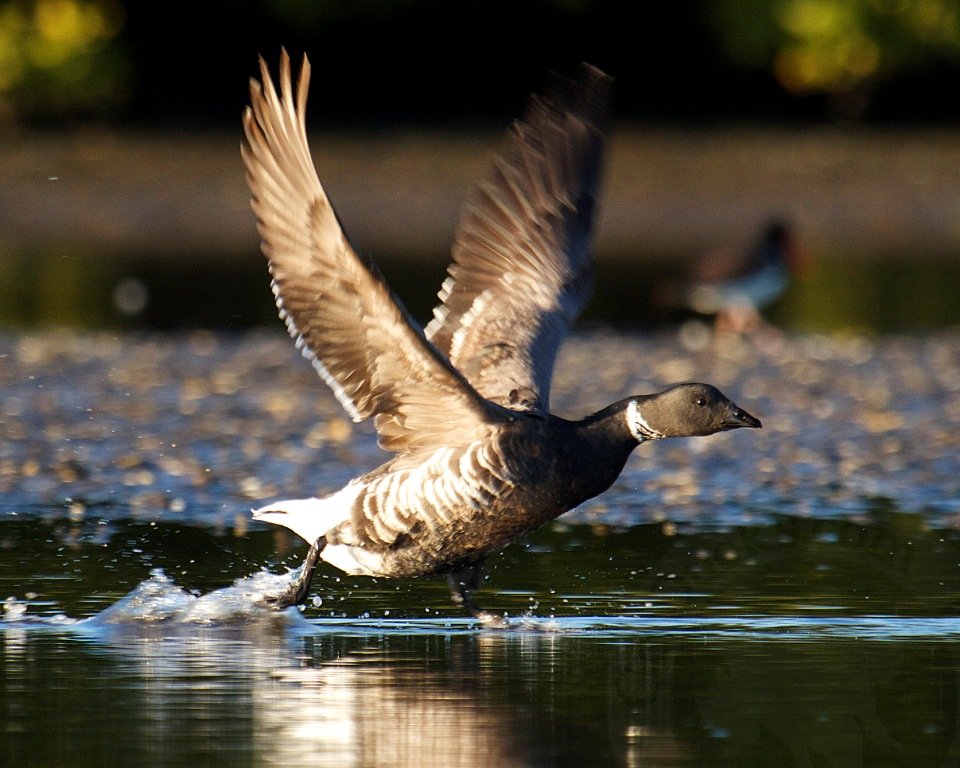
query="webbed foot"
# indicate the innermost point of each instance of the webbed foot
(296, 593)
(461, 582)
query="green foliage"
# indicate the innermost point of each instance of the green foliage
(834, 46)
(59, 56)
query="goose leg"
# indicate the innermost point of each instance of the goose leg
(298, 590)
(462, 582)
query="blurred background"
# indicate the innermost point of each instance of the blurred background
(122, 200)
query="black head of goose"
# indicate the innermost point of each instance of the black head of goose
(463, 404)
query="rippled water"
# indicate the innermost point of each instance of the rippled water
(785, 597)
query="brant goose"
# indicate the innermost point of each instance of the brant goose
(734, 287)
(462, 404)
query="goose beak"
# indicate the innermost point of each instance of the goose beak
(740, 418)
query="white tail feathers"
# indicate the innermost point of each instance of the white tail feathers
(310, 518)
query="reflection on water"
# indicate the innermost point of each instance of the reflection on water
(736, 659)
(258, 694)
(369, 710)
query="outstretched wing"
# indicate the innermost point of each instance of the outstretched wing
(336, 304)
(521, 268)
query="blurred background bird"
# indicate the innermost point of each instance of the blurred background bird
(735, 286)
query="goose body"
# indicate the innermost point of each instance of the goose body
(463, 404)
(459, 503)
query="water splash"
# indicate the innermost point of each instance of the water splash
(159, 601)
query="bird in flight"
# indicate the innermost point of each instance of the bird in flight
(462, 404)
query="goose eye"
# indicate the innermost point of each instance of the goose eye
(701, 401)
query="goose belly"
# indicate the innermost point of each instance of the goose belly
(441, 529)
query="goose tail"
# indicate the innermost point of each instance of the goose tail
(309, 518)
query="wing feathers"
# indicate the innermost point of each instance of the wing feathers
(347, 322)
(521, 268)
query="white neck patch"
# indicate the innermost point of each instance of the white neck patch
(638, 425)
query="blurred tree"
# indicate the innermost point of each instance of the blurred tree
(59, 56)
(838, 47)
(183, 62)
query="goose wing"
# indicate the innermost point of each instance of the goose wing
(521, 268)
(336, 304)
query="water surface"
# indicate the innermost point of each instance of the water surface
(785, 596)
